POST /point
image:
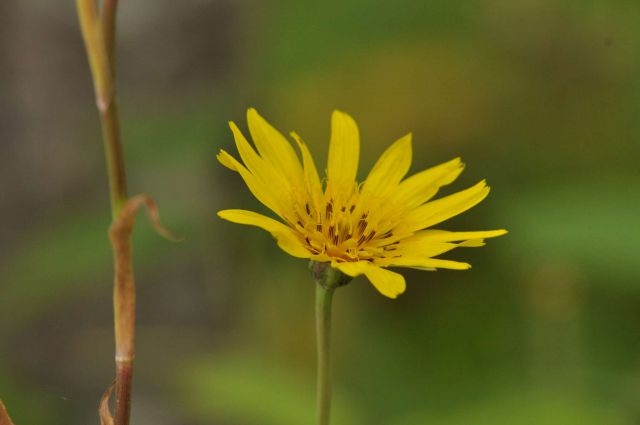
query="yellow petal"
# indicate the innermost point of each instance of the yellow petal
(250, 158)
(430, 243)
(263, 192)
(286, 238)
(260, 168)
(433, 235)
(321, 258)
(417, 262)
(442, 209)
(274, 147)
(390, 168)
(223, 158)
(344, 153)
(254, 219)
(422, 186)
(416, 247)
(472, 243)
(290, 244)
(352, 269)
(312, 180)
(388, 283)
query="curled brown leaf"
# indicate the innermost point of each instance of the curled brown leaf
(124, 224)
(124, 283)
(104, 411)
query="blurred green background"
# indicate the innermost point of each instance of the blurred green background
(541, 97)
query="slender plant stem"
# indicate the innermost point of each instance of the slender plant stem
(5, 419)
(108, 106)
(114, 156)
(124, 375)
(327, 280)
(124, 313)
(98, 31)
(324, 297)
(109, 10)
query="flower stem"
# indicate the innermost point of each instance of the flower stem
(324, 296)
(327, 280)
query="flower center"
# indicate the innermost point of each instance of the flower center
(343, 231)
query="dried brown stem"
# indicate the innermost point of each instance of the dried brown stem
(98, 31)
(4, 415)
(124, 297)
(124, 376)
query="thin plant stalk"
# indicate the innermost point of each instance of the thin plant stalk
(4, 415)
(324, 298)
(327, 281)
(98, 31)
(108, 107)
(109, 9)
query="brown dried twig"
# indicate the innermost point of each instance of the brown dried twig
(4, 415)
(98, 32)
(124, 296)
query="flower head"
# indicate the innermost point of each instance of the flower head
(359, 228)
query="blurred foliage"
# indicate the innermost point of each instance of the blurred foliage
(237, 387)
(558, 223)
(528, 409)
(538, 96)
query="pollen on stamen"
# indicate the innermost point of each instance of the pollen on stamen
(370, 236)
(362, 224)
(343, 231)
(329, 210)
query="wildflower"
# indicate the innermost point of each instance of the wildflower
(357, 228)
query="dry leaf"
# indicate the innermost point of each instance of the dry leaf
(104, 411)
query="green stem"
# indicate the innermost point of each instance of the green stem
(113, 155)
(109, 114)
(324, 297)
(327, 280)
(109, 9)
(99, 38)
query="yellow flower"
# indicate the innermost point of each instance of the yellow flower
(360, 228)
